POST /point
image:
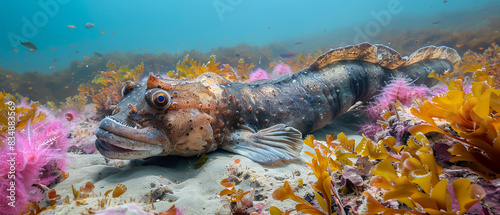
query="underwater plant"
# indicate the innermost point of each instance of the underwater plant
(240, 202)
(301, 61)
(330, 156)
(196, 68)
(475, 116)
(399, 89)
(415, 182)
(259, 74)
(106, 87)
(23, 114)
(488, 61)
(39, 159)
(281, 69)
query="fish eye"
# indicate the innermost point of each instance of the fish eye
(158, 99)
(129, 86)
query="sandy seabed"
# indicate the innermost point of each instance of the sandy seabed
(174, 180)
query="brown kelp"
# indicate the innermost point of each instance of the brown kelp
(474, 115)
(106, 87)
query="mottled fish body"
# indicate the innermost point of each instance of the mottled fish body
(263, 120)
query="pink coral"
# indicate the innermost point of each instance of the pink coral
(260, 74)
(38, 158)
(281, 69)
(399, 89)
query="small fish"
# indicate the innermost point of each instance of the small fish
(237, 55)
(102, 32)
(52, 67)
(436, 23)
(8, 76)
(112, 32)
(52, 48)
(416, 41)
(445, 1)
(77, 52)
(15, 48)
(89, 25)
(288, 55)
(241, 60)
(298, 43)
(55, 59)
(98, 54)
(29, 45)
(71, 26)
(85, 57)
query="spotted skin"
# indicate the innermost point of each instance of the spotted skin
(266, 117)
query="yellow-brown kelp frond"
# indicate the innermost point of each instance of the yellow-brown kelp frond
(10, 107)
(105, 89)
(196, 68)
(475, 116)
(488, 61)
(415, 182)
(329, 157)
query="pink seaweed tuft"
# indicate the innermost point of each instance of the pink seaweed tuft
(39, 159)
(260, 74)
(400, 89)
(281, 69)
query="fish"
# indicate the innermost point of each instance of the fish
(297, 43)
(54, 60)
(102, 31)
(265, 120)
(237, 55)
(288, 55)
(71, 26)
(76, 52)
(98, 54)
(85, 57)
(436, 23)
(15, 48)
(89, 25)
(29, 45)
(52, 67)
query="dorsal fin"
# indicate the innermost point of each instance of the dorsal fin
(384, 56)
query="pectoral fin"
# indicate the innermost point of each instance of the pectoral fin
(267, 145)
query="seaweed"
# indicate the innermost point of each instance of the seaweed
(105, 89)
(22, 113)
(415, 182)
(203, 159)
(475, 116)
(196, 68)
(240, 202)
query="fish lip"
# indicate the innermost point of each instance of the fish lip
(115, 152)
(123, 142)
(120, 141)
(148, 135)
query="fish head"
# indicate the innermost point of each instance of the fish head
(158, 118)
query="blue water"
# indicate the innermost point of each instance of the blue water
(175, 26)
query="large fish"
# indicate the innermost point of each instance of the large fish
(263, 120)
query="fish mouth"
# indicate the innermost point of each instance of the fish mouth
(117, 140)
